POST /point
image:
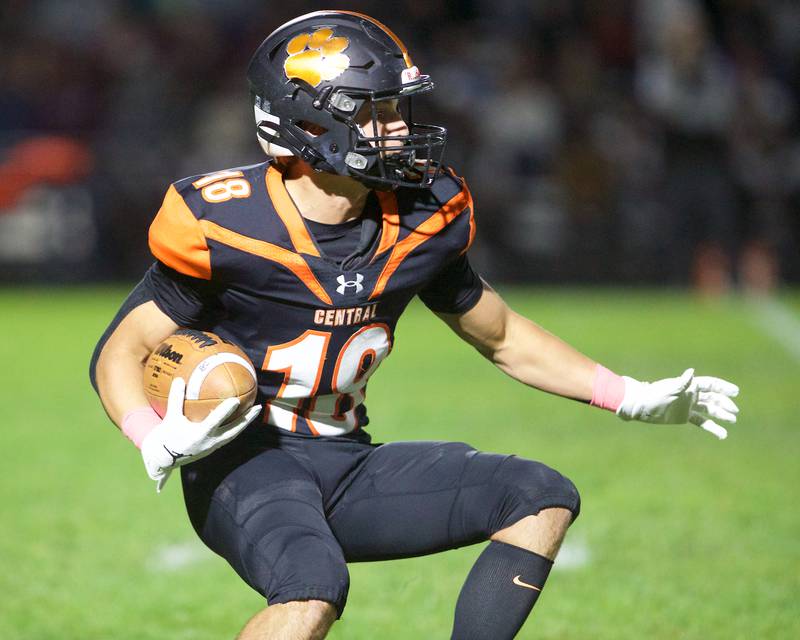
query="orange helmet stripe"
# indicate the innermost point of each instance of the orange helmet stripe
(388, 31)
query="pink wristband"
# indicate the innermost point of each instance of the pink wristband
(138, 423)
(608, 389)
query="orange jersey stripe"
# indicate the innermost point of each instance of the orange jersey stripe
(471, 206)
(176, 238)
(472, 228)
(292, 261)
(423, 232)
(289, 214)
(389, 32)
(391, 221)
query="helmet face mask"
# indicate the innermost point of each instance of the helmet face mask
(366, 65)
(408, 160)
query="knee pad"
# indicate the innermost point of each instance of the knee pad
(306, 565)
(532, 486)
(279, 543)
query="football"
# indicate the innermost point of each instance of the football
(212, 368)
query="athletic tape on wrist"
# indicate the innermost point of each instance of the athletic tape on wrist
(608, 389)
(138, 423)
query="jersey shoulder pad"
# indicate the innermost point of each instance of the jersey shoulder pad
(177, 239)
(453, 198)
(447, 191)
(447, 185)
(208, 194)
(177, 236)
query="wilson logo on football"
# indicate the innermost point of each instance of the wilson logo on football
(345, 284)
(166, 352)
(316, 57)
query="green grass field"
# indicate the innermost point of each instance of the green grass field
(681, 536)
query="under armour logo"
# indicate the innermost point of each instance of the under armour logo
(343, 284)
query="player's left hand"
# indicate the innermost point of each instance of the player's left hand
(178, 441)
(697, 399)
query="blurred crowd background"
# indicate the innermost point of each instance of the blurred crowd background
(620, 141)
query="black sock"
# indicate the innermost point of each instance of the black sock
(499, 593)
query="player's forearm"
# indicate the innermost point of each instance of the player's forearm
(537, 358)
(119, 380)
(121, 361)
(523, 349)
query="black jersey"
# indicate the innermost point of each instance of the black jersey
(315, 327)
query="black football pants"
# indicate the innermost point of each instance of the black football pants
(288, 512)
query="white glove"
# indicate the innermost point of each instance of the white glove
(178, 440)
(689, 398)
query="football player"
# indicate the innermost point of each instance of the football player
(307, 261)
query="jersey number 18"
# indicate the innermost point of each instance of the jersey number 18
(301, 362)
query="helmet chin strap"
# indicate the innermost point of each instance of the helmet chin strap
(273, 149)
(262, 123)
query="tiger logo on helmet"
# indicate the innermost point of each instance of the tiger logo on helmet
(314, 57)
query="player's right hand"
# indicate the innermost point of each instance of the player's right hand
(178, 440)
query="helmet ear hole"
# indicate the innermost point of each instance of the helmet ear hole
(311, 128)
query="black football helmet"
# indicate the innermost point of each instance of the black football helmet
(311, 77)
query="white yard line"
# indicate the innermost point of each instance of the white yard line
(780, 322)
(174, 557)
(168, 558)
